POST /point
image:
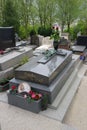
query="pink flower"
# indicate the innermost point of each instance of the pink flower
(40, 95)
(33, 95)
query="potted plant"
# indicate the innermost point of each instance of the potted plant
(31, 100)
(55, 36)
(4, 84)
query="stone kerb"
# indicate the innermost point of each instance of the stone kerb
(12, 59)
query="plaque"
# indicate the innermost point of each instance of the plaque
(24, 87)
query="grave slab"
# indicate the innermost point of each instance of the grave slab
(14, 57)
(78, 48)
(43, 73)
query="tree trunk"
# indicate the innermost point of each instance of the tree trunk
(68, 26)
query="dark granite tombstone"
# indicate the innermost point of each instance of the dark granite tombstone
(81, 40)
(7, 37)
(41, 72)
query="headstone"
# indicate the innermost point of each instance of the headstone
(7, 37)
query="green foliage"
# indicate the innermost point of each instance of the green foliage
(44, 102)
(80, 27)
(44, 31)
(68, 11)
(3, 81)
(55, 34)
(24, 60)
(10, 15)
(22, 32)
(32, 32)
(29, 13)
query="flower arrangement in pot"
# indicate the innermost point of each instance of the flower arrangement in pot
(25, 91)
(55, 36)
(22, 96)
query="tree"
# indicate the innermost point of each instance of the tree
(2, 3)
(68, 11)
(46, 11)
(61, 13)
(10, 15)
(24, 9)
(83, 15)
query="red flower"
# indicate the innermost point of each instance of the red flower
(57, 28)
(36, 97)
(1, 52)
(31, 92)
(53, 27)
(13, 87)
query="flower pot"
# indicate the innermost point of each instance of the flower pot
(55, 45)
(19, 101)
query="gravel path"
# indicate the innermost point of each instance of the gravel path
(77, 113)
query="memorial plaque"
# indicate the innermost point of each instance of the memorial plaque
(43, 73)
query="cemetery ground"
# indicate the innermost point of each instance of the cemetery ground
(14, 118)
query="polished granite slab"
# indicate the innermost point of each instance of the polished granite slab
(43, 73)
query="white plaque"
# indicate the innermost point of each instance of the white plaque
(24, 87)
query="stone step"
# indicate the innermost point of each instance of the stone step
(60, 112)
(63, 91)
(65, 88)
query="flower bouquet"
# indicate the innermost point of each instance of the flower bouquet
(55, 36)
(55, 33)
